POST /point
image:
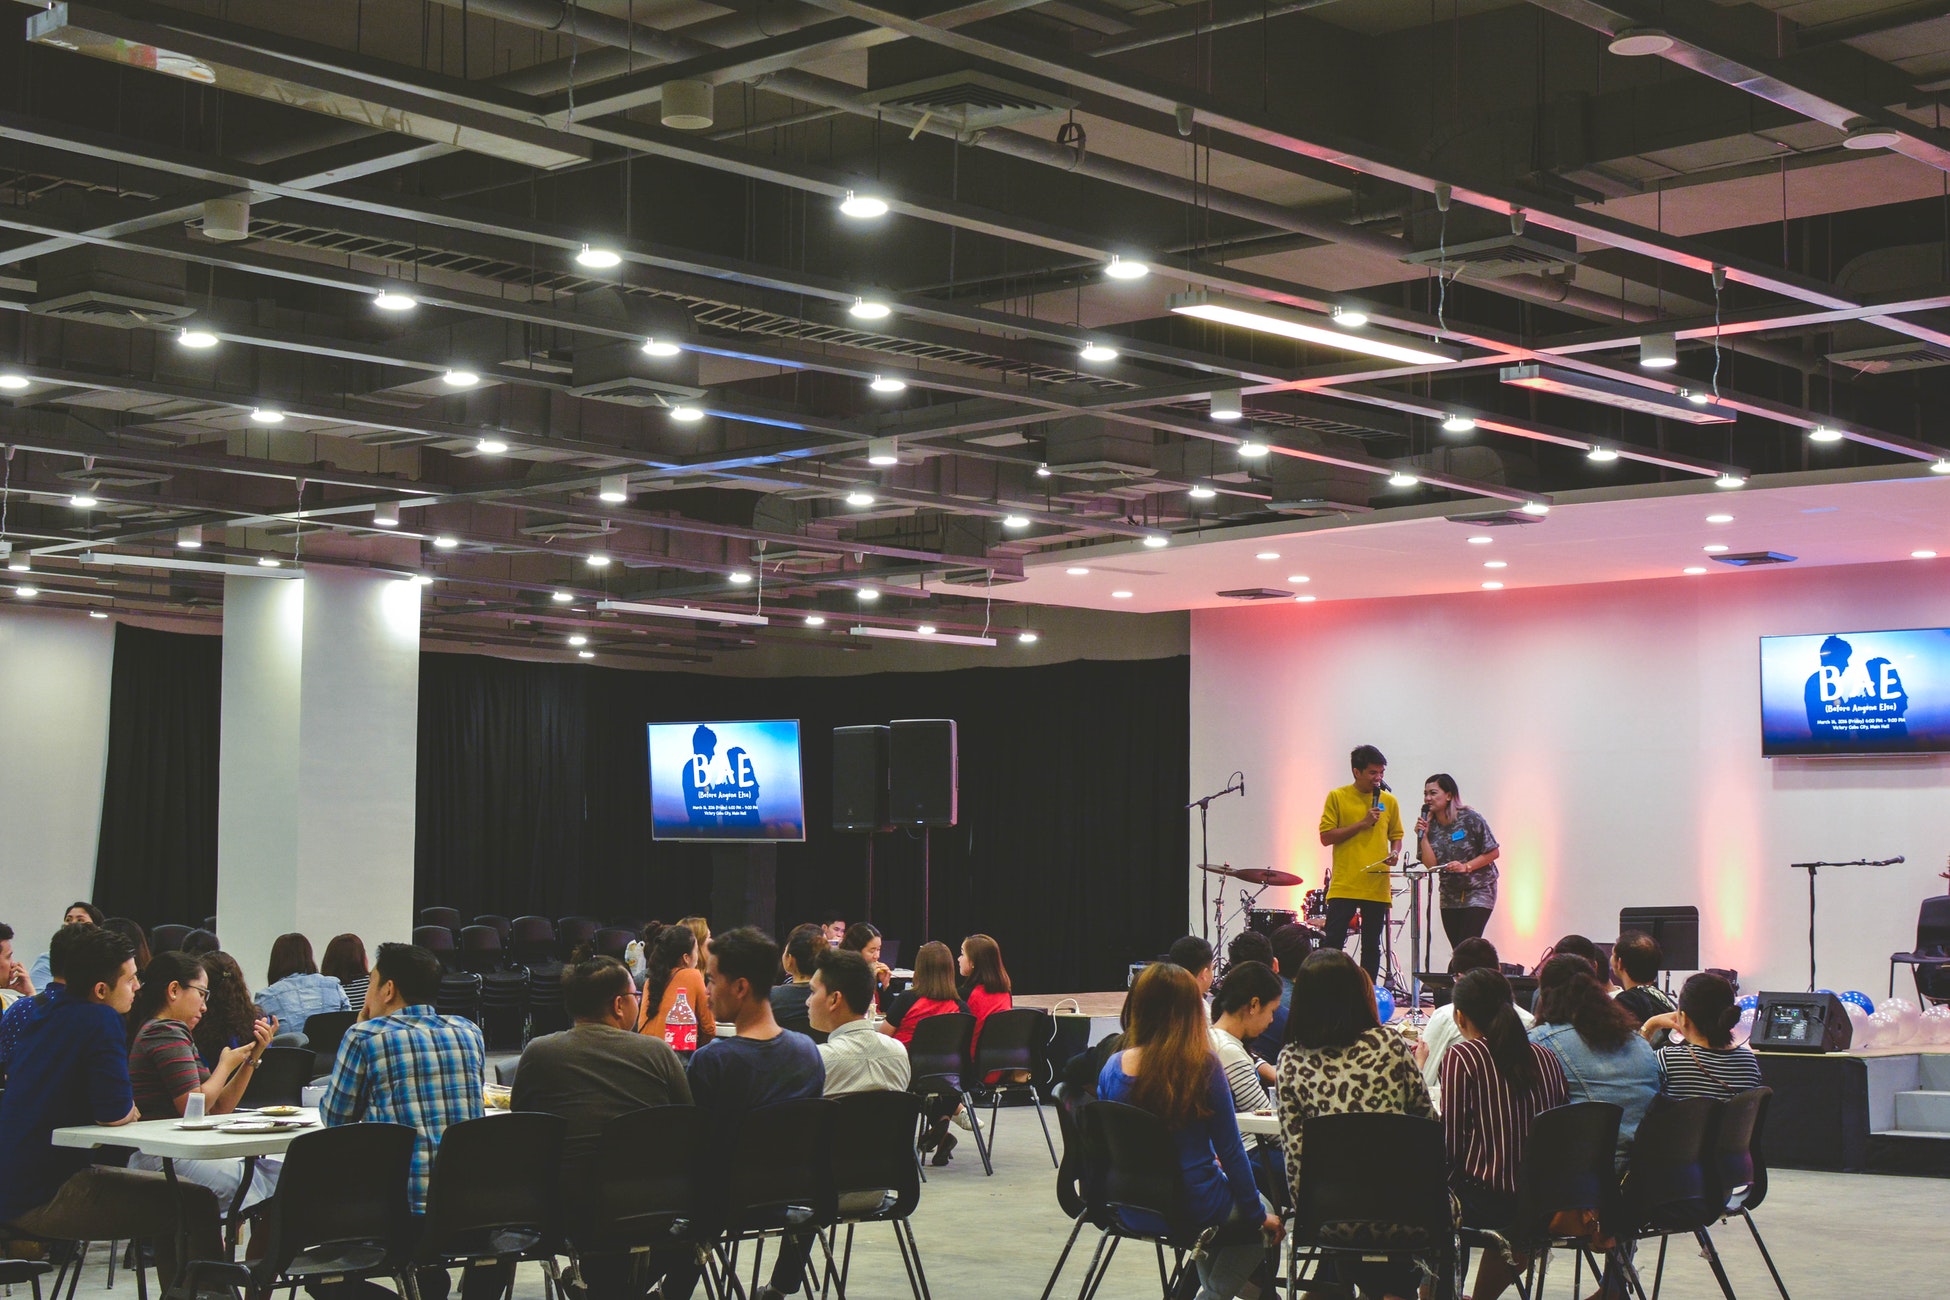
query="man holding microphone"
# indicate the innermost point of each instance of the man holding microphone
(1362, 823)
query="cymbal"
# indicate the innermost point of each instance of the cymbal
(1251, 875)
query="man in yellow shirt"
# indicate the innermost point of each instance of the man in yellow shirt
(1362, 823)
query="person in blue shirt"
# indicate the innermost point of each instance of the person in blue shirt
(22, 1008)
(293, 989)
(77, 914)
(70, 1067)
(1168, 1068)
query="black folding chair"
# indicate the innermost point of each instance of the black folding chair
(340, 1214)
(1928, 961)
(1672, 1184)
(15, 1271)
(448, 918)
(937, 1054)
(1073, 1173)
(546, 1014)
(640, 1206)
(1373, 1186)
(492, 1198)
(531, 939)
(168, 938)
(498, 923)
(875, 1177)
(280, 1077)
(571, 932)
(1012, 1040)
(438, 940)
(612, 942)
(1134, 1168)
(504, 1008)
(323, 1032)
(778, 1181)
(1568, 1165)
(1742, 1172)
(480, 949)
(459, 995)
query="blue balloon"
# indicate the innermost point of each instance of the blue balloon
(1749, 1002)
(1384, 1002)
(1855, 997)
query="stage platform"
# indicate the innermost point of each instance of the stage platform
(1883, 1111)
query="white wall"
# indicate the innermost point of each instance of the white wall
(1611, 736)
(54, 686)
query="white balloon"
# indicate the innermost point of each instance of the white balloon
(1936, 1026)
(1745, 1029)
(1886, 1028)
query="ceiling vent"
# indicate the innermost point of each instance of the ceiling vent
(1754, 559)
(622, 373)
(115, 476)
(572, 530)
(1912, 355)
(1483, 246)
(1096, 451)
(1316, 507)
(110, 286)
(1257, 593)
(1497, 519)
(970, 101)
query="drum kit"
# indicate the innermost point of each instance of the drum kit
(1264, 877)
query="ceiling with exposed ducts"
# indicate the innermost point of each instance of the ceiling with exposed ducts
(811, 322)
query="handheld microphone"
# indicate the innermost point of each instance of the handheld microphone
(1379, 786)
(1242, 785)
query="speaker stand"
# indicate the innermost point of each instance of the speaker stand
(868, 918)
(926, 881)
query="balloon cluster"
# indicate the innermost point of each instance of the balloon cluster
(1384, 1003)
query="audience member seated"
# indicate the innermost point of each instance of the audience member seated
(1339, 1059)
(672, 967)
(199, 942)
(1193, 955)
(1242, 1007)
(931, 994)
(14, 981)
(1579, 946)
(802, 952)
(763, 1065)
(229, 1016)
(138, 941)
(77, 914)
(984, 983)
(1254, 946)
(1441, 1032)
(865, 940)
(1597, 1042)
(833, 924)
(1707, 1063)
(1635, 962)
(856, 1058)
(15, 1018)
(1494, 1083)
(165, 1068)
(589, 1074)
(70, 1067)
(345, 961)
(293, 989)
(1168, 1068)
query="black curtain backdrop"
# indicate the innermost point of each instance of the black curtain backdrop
(534, 797)
(156, 860)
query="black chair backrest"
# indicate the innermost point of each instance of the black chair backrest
(1377, 1180)
(531, 938)
(168, 938)
(571, 932)
(1070, 1196)
(1932, 925)
(480, 938)
(445, 917)
(630, 923)
(873, 1147)
(460, 995)
(499, 924)
(1568, 1164)
(1141, 1167)
(546, 1014)
(341, 1186)
(1671, 1184)
(1736, 1165)
(781, 1156)
(643, 1183)
(1015, 1040)
(494, 1189)
(280, 1077)
(436, 939)
(937, 1053)
(611, 942)
(326, 1028)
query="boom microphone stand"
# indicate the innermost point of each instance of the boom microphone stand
(1235, 784)
(1812, 868)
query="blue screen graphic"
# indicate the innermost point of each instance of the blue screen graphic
(1848, 693)
(725, 781)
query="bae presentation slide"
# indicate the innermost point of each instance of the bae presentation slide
(725, 781)
(1855, 693)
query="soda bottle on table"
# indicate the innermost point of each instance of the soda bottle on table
(680, 1026)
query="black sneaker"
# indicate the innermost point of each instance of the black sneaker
(943, 1151)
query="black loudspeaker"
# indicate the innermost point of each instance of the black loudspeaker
(922, 772)
(1267, 920)
(1801, 1022)
(860, 779)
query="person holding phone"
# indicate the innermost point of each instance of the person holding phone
(1458, 840)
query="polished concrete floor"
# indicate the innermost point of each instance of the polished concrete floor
(1833, 1235)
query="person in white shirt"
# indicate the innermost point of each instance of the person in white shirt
(857, 1058)
(1242, 1008)
(1441, 1033)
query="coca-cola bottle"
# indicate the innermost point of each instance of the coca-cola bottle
(680, 1026)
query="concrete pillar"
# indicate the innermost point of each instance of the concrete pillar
(316, 782)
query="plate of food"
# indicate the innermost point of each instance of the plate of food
(252, 1125)
(197, 1125)
(278, 1112)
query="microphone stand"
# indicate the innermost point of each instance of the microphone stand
(1813, 868)
(1235, 784)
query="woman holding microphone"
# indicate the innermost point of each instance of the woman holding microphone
(1459, 841)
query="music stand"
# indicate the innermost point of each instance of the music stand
(1674, 929)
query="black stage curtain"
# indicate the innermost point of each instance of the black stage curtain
(534, 798)
(156, 860)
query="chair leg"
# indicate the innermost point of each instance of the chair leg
(1659, 1277)
(1543, 1264)
(1076, 1229)
(1713, 1262)
(1103, 1272)
(905, 1228)
(1048, 1141)
(1164, 1278)
(975, 1126)
(1773, 1272)
(112, 1253)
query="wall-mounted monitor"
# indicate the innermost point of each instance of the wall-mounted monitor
(1842, 694)
(726, 781)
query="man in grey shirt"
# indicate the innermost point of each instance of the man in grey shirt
(589, 1074)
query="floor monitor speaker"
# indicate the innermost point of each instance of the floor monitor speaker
(922, 772)
(1801, 1022)
(860, 779)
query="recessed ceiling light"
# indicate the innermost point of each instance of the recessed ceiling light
(267, 415)
(1496, 564)
(1822, 433)
(1940, 466)
(614, 488)
(460, 378)
(84, 500)
(1458, 424)
(1534, 508)
(869, 309)
(196, 338)
(578, 639)
(740, 578)
(391, 299)
(1481, 541)
(14, 383)
(1267, 555)
(96, 613)
(866, 595)
(1698, 397)
(1015, 521)
(1492, 586)
(1120, 269)
(1730, 480)
(660, 348)
(1251, 450)
(1298, 578)
(1157, 540)
(268, 562)
(1350, 318)
(859, 498)
(1303, 600)
(490, 446)
(562, 597)
(887, 384)
(815, 620)
(1097, 352)
(1872, 137)
(1027, 638)
(597, 258)
(1200, 492)
(585, 654)
(190, 537)
(1602, 455)
(1076, 571)
(1228, 405)
(27, 593)
(1719, 519)
(883, 452)
(926, 629)
(862, 207)
(1714, 548)
(1402, 479)
(597, 561)
(445, 542)
(1638, 42)
(1694, 569)
(1120, 595)
(1922, 555)
(685, 413)
(386, 514)
(1658, 352)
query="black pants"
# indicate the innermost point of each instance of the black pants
(1374, 920)
(1464, 923)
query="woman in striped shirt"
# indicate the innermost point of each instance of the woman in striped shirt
(1494, 1083)
(345, 961)
(1708, 1063)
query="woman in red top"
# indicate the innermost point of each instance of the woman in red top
(987, 983)
(931, 994)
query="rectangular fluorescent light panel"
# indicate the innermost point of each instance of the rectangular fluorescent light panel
(1310, 327)
(1613, 392)
(109, 559)
(908, 634)
(684, 611)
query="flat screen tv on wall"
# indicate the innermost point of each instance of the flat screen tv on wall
(726, 781)
(1845, 694)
